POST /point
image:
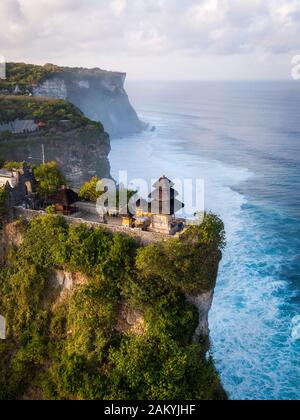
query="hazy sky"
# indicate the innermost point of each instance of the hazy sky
(156, 39)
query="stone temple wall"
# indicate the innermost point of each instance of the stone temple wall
(144, 237)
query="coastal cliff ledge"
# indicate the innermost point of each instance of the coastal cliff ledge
(78, 145)
(94, 315)
(98, 93)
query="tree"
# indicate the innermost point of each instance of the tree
(89, 191)
(49, 177)
(13, 166)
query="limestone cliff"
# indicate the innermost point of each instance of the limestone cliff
(11, 235)
(203, 303)
(99, 94)
(85, 293)
(129, 319)
(81, 153)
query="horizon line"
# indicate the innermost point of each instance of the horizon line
(215, 80)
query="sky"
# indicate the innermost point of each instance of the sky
(156, 39)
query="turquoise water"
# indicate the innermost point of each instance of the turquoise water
(244, 140)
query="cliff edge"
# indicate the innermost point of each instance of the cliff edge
(95, 315)
(99, 94)
(79, 145)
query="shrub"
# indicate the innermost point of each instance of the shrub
(159, 369)
(188, 264)
(13, 166)
(44, 243)
(50, 209)
(89, 190)
(49, 177)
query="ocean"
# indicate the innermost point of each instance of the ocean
(243, 139)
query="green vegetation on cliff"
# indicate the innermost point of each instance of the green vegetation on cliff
(93, 189)
(49, 178)
(50, 111)
(72, 346)
(12, 166)
(25, 74)
(89, 191)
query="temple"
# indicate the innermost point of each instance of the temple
(64, 201)
(155, 214)
(20, 185)
(159, 213)
(164, 206)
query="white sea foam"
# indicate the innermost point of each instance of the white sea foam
(296, 328)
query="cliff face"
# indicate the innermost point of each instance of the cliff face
(117, 312)
(99, 94)
(81, 153)
(11, 235)
(128, 319)
(203, 303)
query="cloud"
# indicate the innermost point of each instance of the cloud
(56, 29)
(118, 6)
